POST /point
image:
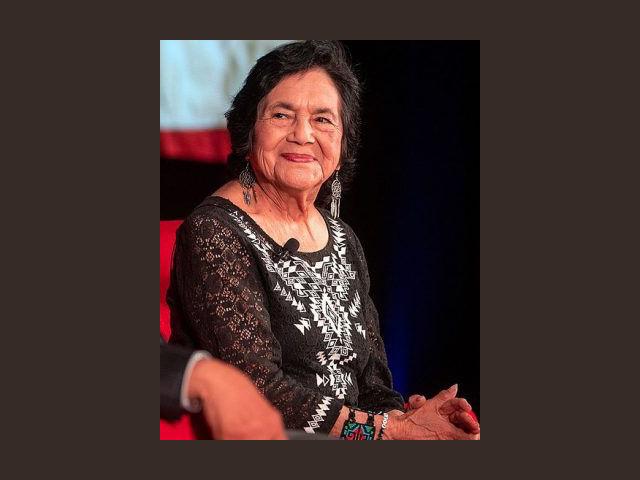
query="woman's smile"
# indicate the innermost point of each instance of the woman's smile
(299, 157)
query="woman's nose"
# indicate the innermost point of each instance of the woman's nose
(302, 131)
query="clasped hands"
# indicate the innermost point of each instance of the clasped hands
(443, 417)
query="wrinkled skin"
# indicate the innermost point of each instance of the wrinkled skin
(232, 406)
(443, 417)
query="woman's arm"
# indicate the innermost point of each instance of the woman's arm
(217, 287)
(374, 383)
(361, 417)
(431, 421)
(439, 417)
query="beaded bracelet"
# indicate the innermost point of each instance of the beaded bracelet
(385, 419)
(352, 430)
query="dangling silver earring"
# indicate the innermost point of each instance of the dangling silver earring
(247, 180)
(336, 193)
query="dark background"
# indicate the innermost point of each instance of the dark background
(414, 205)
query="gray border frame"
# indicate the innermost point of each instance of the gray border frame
(544, 158)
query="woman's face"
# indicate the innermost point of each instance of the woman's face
(298, 133)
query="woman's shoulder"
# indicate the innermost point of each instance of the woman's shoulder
(211, 217)
(340, 228)
(336, 223)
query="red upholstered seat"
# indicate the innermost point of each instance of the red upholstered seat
(181, 429)
(167, 240)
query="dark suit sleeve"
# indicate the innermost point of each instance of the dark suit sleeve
(173, 361)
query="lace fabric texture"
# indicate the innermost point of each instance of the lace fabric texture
(302, 326)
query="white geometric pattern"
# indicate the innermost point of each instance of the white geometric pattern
(320, 291)
(320, 415)
(355, 305)
(304, 324)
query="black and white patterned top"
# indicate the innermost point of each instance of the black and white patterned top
(301, 326)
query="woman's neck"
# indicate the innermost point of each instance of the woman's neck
(282, 216)
(296, 206)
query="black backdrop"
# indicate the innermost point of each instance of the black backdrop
(414, 205)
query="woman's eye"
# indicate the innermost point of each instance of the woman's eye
(280, 116)
(323, 120)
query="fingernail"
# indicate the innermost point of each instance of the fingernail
(454, 386)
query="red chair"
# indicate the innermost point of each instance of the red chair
(167, 240)
(183, 428)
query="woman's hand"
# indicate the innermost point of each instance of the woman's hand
(396, 413)
(435, 419)
(457, 409)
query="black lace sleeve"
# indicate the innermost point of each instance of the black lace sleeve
(218, 303)
(376, 385)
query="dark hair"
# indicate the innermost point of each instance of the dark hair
(268, 71)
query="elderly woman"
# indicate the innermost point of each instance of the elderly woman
(267, 280)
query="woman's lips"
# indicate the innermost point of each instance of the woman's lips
(298, 157)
